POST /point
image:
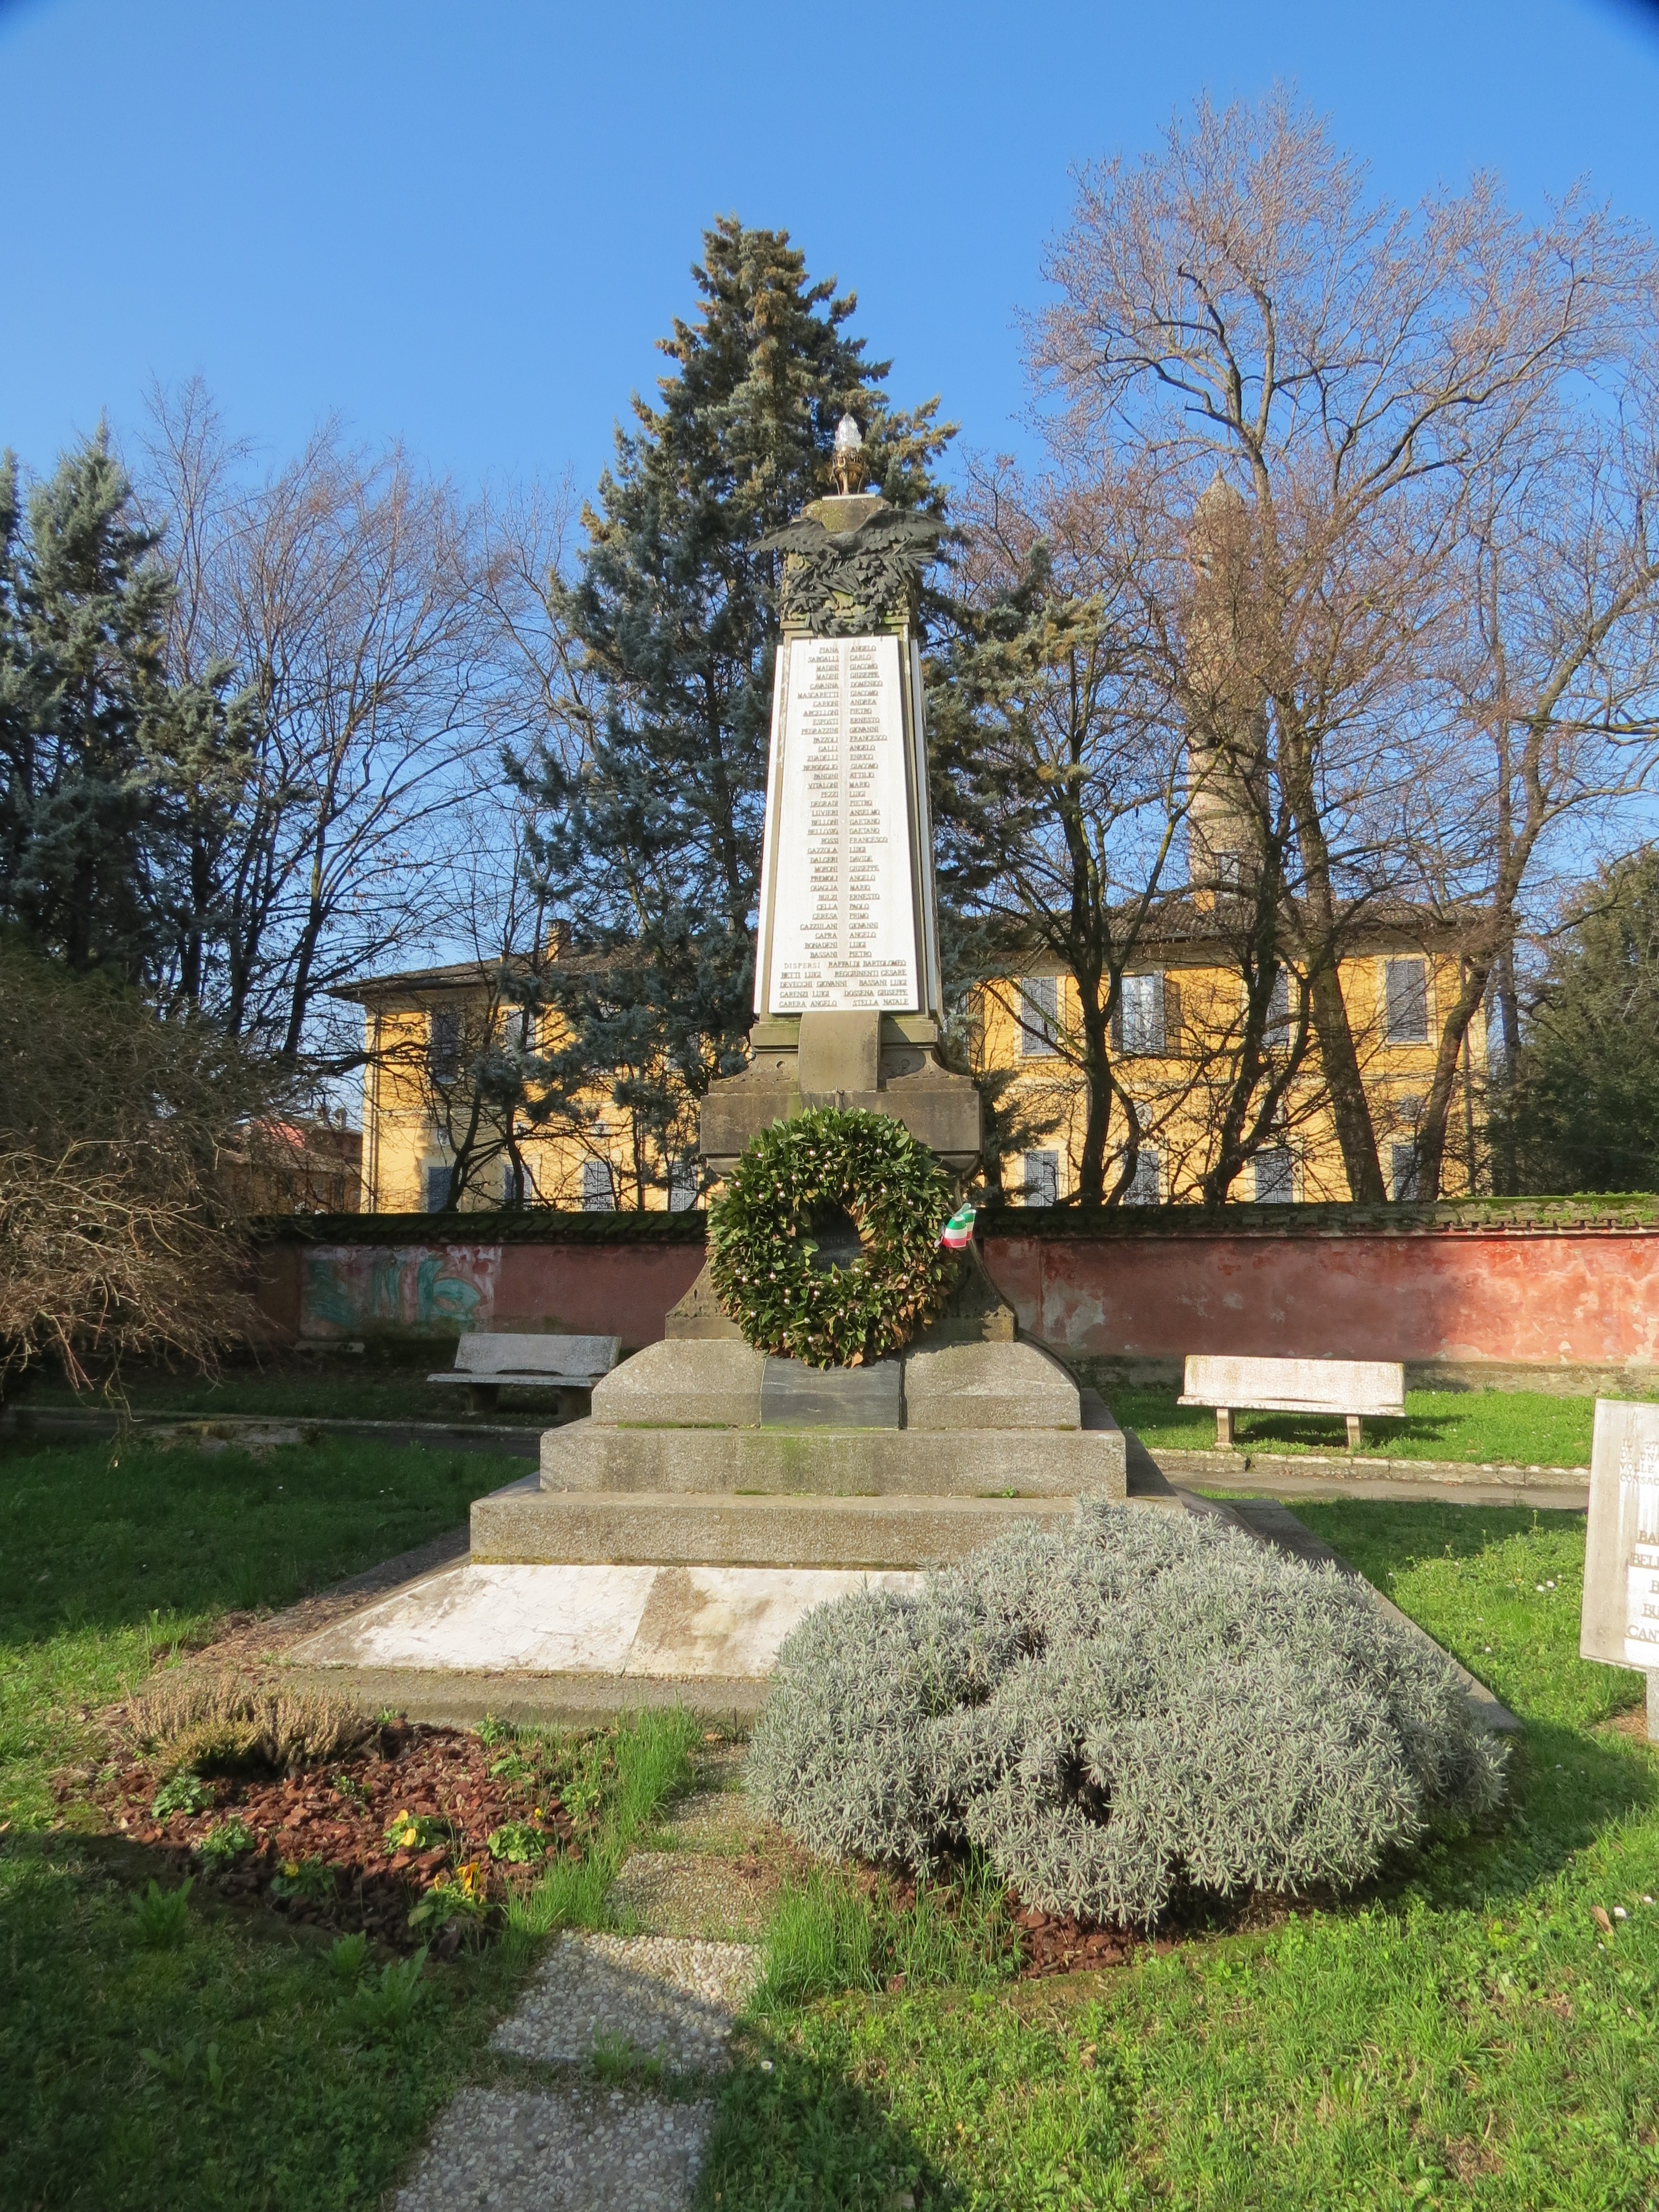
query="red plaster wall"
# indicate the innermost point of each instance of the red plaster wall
(1555, 1299)
(620, 1290)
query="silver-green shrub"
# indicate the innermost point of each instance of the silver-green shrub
(1148, 1703)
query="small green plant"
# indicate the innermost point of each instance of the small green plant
(517, 1843)
(492, 1731)
(226, 1841)
(186, 1793)
(313, 1879)
(821, 1940)
(619, 2064)
(416, 1832)
(383, 2006)
(347, 1957)
(511, 1767)
(162, 1916)
(177, 2067)
(582, 1770)
(350, 1789)
(463, 1894)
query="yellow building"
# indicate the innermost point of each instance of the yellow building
(429, 1125)
(1174, 1051)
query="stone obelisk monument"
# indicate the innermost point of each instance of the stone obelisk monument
(715, 1492)
(846, 973)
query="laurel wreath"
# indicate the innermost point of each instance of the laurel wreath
(762, 1240)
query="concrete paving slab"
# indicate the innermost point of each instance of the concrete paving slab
(569, 2149)
(675, 1623)
(500, 1620)
(730, 1620)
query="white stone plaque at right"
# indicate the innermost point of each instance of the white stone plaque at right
(1619, 1621)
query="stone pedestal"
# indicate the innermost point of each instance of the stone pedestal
(888, 1064)
(704, 1451)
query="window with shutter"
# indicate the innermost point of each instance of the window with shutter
(599, 1191)
(435, 1188)
(1139, 1027)
(444, 1041)
(1041, 1179)
(1405, 994)
(682, 1186)
(1402, 1165)
(1279, 1010)
(1143, 1189)
(1274, 1178)
(1039, 1016)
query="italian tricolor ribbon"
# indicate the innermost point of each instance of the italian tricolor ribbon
(958, 1231)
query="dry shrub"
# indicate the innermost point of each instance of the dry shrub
(1147, 1704)
(120, 1229)
(201, 1721)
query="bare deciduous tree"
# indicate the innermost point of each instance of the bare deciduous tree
(1362, 375)
(1057, 775)
(348, 595)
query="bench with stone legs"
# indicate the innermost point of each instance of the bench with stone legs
(1355, 1388)
(486, 1359)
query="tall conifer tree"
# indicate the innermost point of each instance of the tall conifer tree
(650, 829)
(82, 683)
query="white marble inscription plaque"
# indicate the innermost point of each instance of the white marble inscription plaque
(843, 905)
(1620, 1622)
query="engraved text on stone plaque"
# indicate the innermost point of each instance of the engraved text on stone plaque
(843, 918)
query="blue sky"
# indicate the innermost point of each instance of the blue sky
(466, 225)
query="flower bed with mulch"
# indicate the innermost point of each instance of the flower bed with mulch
(415, 1817)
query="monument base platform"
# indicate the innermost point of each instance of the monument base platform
(661, 1527)
(592, 1456)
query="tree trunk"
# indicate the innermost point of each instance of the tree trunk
(1437, 1109)
(1340, 1062)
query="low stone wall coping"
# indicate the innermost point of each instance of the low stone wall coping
(1621, 1214)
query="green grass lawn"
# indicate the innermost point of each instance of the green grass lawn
(1524, 1428)
(232, 2069)
(1468, 2036)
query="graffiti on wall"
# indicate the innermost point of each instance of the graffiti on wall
(414, 1290)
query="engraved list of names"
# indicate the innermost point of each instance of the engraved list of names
(843, 916)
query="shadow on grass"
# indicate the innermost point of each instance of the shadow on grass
(217, 2062)
(790, 2130)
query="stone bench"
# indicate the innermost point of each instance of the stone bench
(570, 1365)
(1352, 1387)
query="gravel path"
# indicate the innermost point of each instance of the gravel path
(574, 2149)
(673, 1999)
(578, 2147)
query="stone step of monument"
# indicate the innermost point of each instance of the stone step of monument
(598, 1456)
(677, 1527)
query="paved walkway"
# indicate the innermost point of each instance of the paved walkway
(613, 2051)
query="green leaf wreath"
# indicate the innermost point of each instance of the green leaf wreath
(762, 1240)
